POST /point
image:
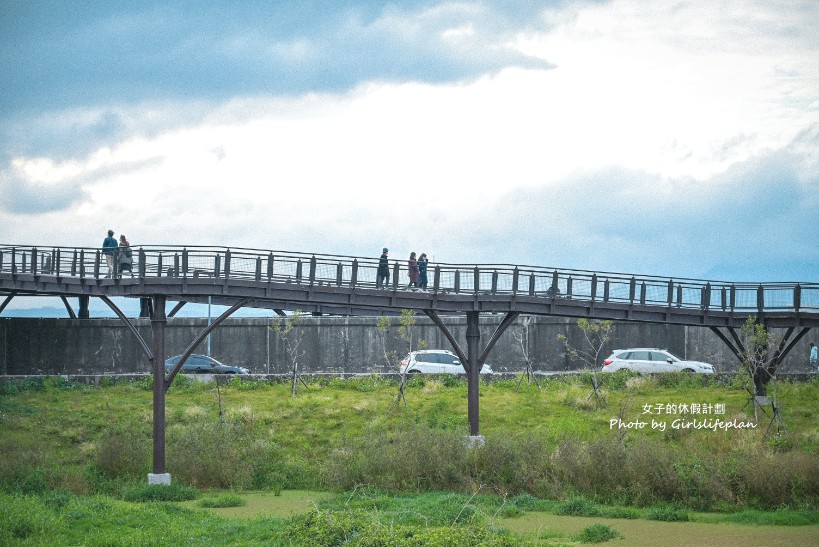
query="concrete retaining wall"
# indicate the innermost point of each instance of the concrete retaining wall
(331, 344)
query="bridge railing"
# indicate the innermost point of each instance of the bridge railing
(221, 264)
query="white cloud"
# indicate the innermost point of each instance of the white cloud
(667, 98)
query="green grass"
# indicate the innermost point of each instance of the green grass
(548, 450)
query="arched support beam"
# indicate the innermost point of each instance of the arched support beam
(455, 346)
(6, 300)
(145, 348)
(68, 308)
(199, 339)
(176, 308)
(505, 324)
(728, 343)
(784, 352)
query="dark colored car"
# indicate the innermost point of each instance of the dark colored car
(202, 364)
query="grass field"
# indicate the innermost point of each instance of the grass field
(545, 446)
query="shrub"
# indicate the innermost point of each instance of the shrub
(124, 454)
(597, 533)
(160, 492)
(225, 500)
(667, 513)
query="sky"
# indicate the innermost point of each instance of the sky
(664, 138)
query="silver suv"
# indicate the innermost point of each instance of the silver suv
(647, 360)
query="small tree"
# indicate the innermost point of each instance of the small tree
(596, 334)
(407, 323)
(521, 335)
(761, 363)
(382, 328)
(291, 335)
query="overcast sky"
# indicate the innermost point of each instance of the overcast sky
(675, 138)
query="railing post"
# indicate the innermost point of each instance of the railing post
(184, 262)
(569, 287)
(760, 300)
(269, 267)
(679, 296)
(159, 271)
(57, 261)
(313, 269)
(643, 293)
(82, 262)
(732, 297)
(1, 260)
(339, 274)
(532, 284)
(495, 282)
(354, 274)
(436, 279)
(227, 264)
(298, 271)
(606, 290)
(176, 265)
(631, 290)
(515, 276)
(142, 266)
(258, 268)
(34, 260)
(723, 298)
(217, 266)
(797, 297)
(670, 292)
(97, 264)
(457, 281)
(593, 287)
(74, 263)
(476, 280)
(554, 289)
(396, 269)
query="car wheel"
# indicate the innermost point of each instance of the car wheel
(689, 370)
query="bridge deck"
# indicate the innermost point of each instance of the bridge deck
(347, 285)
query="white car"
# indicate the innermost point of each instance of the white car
(435, 361)
(647, 360)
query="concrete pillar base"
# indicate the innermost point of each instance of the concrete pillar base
(475, 441)
(159, 478)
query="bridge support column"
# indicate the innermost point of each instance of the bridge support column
(158, 322)
(83, 311)
(473, 370)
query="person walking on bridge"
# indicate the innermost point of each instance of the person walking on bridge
(383, 275)
(109, 250)
(412, 271)
(422, 271)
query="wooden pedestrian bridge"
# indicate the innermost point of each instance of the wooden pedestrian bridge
(346, 285)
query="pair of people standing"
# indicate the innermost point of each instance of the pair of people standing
(417, 270)
(118, 256)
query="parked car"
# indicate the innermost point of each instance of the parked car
(435, 361)
(202, 364)
(652, 360)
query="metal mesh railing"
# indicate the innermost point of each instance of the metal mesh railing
(357, 272)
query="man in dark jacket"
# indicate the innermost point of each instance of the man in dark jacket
(383, 277)
(109, 249)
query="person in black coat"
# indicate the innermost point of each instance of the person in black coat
(383, 277)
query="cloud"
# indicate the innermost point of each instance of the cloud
(754, 221)
(31, 188)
